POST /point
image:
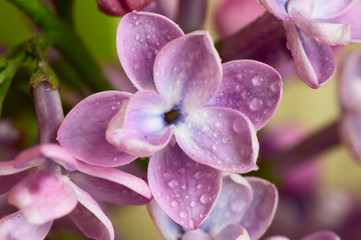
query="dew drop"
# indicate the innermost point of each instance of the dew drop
(274, 87)
(257, 80)
(183, 215)
(201, 215)
(198, 175)
(177, 69)
(174, 203)
(193, 204)
(172, 184)
(256, 104)
(219, 124)
(166, 175)
(191, 223)
(225, 140)
(200, 186)
(137, 37)
(214, 147)
(114, 107)
(205, 198)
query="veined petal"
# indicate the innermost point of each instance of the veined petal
(89, 217)
(220, 137)
(276, 7)
(251, 87)
(323, 32)
(82, 132)
(16, 226)
(260, 214)
(43, 196)
(187, 71)
(139, 38)
(315, 62)
(235, 198)
(322, 235)
(139, 128)
(111, 185)
(350, 131)
(233, 232)
(184, 189)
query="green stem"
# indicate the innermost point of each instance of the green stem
(66, 41)
(64, 9)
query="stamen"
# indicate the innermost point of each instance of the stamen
(171, 116)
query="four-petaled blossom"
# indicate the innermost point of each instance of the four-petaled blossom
(244, 211)
(46, 182)
(192, 115)
(311, 26)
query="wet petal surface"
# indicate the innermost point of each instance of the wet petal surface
(233, 232)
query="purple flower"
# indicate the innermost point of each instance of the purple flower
(321, 235)
(121, 7)
(46, 182)
(244, 210)
(311, 26)
(192, 120)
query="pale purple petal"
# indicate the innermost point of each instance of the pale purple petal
(139, 128)
(196, 234)
(315, 62)
(277, 238)
(350, 83)
(233, 232)
(89, 217)
(187, 71)
(350, 131)
(185, 190)
(234, 201)
(326, 9)
(83, 131)
(251, 87)
(228, 18)
(43, 196)
(16, 226)
(276, 7)
(220, 137)
(168, 8)
(322, 235)
(263, 207)
(139, 38)
(323, 32)
(111, 185)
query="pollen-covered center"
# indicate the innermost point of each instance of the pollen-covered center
(172, 116)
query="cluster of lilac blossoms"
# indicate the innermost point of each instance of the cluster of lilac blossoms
(194, 117)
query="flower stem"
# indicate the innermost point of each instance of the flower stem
(65, 39)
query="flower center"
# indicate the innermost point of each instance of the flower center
(172, 116)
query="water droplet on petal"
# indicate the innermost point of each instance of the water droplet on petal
(225, 140)
(191, 223)
(198, 175)
(256, 104)
(205, 198)
(172, 184)
(275, 86)
(166, 175)
(183, 215)
(177, 69)
(174, 203)
(200, 186)
(193, 204)
(257, 80)
(219, 124)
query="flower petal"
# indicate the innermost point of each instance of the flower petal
(251, 87)
(139, 128)
(89, 217)
(233, 232)
(263, 207)
(326, 9)
(350, 131)
(83, 131)
(322, 235)
(139, 38)
(196, 234)
(219, 137)
(276, 7)
(187, 71)
(323, 32)
(234, 201)
(8, 181)
(43, 196)
(277, 238)
(315, 62)
(15, 226)
(111, 185)
(184, 189)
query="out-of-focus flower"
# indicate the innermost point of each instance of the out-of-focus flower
(181, 93)
(46, 182)
(244, 210)
(311, 27)
(321, 235)
(121, 7)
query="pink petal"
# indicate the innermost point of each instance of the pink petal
(322, 235)
(139, 38)
(263, 207)
(112, 185)
(139, 128)
(219, 137)
(276, 7)
(15, 226)
(323, 32)
(350, 130)
(233, 232)
(89, 217)
(83, 131)
(326, 9)
(277, 238)
(43, 196)
(184, 189)
(168, 8)
(251, 87)
(8, 181)
(187, 71)
(228, 18)
(234, 201)
(112, 7)
(196, 234)
(315, 62)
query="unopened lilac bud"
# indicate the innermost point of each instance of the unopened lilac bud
(121, 7)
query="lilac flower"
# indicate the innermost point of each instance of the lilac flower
(311, 26)
(183, 115)
(321, 235)
(243, 211)
(121, 7)
(46, 182)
